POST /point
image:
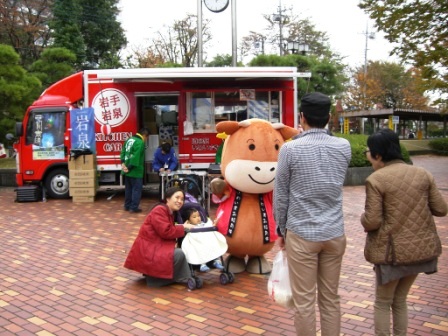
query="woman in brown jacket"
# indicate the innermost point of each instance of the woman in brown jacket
(402, 239)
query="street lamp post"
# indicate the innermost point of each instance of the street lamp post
(368, 36)
(278, 17)
(259, 42)
(297, 47)
(200, 47)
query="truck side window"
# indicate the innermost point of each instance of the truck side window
(228, 106)
(275, 107)
(201, 111)
(206, 109)
(259, 107)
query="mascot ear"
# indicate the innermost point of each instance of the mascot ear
(288, 132)
(229, 127)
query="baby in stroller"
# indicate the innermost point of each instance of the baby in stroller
(194, 217)
(205, 245)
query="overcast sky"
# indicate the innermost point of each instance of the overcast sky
(344, 23)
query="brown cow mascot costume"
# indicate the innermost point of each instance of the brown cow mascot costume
(248, 165)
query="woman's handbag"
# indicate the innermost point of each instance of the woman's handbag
(279, 288)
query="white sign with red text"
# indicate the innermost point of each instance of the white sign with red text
(111, 107)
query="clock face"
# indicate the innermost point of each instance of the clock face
(216, 6)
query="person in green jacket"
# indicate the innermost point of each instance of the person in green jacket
(132, 167)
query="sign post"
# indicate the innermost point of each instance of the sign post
(346, 126)
(395, 121)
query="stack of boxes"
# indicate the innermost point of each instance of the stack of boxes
(83, 178)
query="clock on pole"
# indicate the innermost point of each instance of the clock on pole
(216, 6)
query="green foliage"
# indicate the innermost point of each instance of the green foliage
(386, 84)
(271, 60)
(358, 144)
(419, 29)
(220, 61)
(436, 133)
(434, 130)
(18, 89)
(326, 75)
(54, 64)
(440, 146)
(405, 154)
(90, 29)
(103, 35)
(66, 30)
(392, 80)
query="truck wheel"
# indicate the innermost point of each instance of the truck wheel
(56, 183)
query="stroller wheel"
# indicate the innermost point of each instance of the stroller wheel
(224, 279)
(231, 277)
(199, 282)
(191, 283)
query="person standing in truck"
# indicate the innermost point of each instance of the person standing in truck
(132, 167)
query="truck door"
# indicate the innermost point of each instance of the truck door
(160, 115)
(45, 149)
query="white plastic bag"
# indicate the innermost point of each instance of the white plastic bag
(279, 288)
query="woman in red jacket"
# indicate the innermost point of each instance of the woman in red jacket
(154, 252)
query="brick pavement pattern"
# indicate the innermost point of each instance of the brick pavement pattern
(61, 273)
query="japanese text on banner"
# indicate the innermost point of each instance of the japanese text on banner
(82, 122)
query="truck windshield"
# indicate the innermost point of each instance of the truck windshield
(45, 133)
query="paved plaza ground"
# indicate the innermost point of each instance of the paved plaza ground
(61, 273)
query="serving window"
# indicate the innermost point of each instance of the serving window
(206, 109)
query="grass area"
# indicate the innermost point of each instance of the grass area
(8, 163)
(416, 145)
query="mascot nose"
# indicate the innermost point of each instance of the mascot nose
(258, 169)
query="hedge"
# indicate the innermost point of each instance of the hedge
(440, 146)
(358, 144)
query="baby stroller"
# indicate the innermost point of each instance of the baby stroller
(202, 245)
(190, 184)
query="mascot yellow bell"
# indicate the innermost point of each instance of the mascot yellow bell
(248, 165)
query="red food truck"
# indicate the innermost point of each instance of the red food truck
(177, 105)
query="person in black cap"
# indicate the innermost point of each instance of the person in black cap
(308, 211)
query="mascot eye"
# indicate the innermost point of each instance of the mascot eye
(251, 147)
(277, 147)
